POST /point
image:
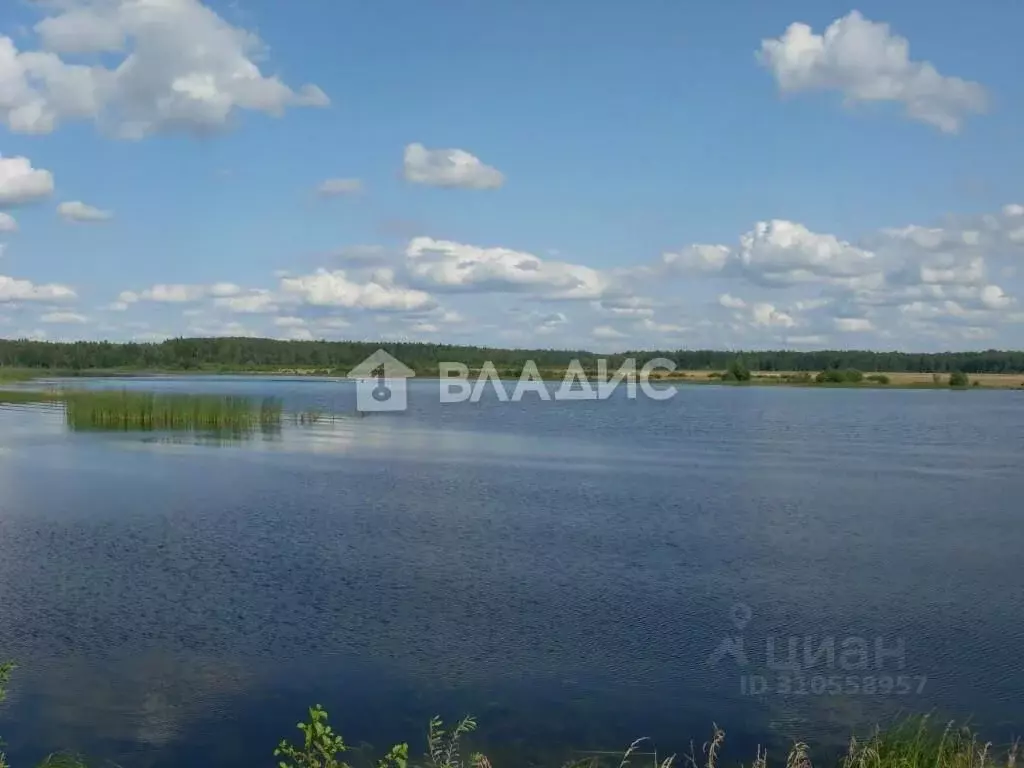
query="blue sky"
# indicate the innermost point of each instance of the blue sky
(596, 174)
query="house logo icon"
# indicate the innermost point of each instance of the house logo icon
(380, 383)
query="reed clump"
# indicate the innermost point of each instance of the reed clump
(150, 411)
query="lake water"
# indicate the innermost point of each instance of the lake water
(564, 571)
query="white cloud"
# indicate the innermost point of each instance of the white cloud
(785, 253)
(178, 293)
(12, 289)
(626, 306)
(333, 323)
(452, 317)
(8, 223)
(993, 297)
(224, 289)
(20, 183)
(853, 324)
(551, 322)
(299, 334)
(333, 289)
(339, 187)
(454, 266)
(449, 168)
(698, 258)
(254, 302)
(176, 66)
(79, 211)
(866, 62)
(731, 302)
(765, 314)
(961, 274)
(174, 294)
(607, 332)
(665, 328)
(289, 321)
(66, 318)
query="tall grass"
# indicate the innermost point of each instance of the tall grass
(8, 374)
(124, 410)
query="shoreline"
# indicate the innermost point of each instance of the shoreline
(896, 380)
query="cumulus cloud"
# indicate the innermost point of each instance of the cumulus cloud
(765, 314)
(7, 224)
(176, 65)
(79, 211)
(20, 183)
(452, 266)
(325, 288)
(449, 168)
(339, 187)
(866, 62)
(12, 289)
(697, 258)
(786, 253)
(178, 293)
(731, 302)
(64, 318)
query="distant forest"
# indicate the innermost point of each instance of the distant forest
(248, 354)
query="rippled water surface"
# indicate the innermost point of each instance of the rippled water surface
(565, 571)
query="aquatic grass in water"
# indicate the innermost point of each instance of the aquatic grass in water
(148, 411)
(124, 410)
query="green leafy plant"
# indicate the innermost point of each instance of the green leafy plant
(443, 746)
(398, 757)
(321, 746)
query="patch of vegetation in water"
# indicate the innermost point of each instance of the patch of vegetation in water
(149, 411)
(125, 410)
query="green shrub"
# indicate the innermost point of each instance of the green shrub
(958, 379)
(878, 378)
(739, 371)
(837, 376)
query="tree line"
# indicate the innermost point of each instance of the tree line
(241, 354)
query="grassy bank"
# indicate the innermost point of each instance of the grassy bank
(914, 743)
